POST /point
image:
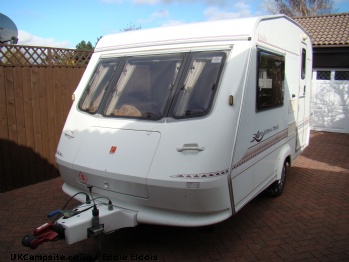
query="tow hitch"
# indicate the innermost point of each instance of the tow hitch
(80, 223)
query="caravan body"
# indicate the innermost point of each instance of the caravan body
(184, 125)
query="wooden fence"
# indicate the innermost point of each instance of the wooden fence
(36, 86)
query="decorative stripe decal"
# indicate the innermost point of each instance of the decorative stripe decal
(203, 175)
(257, 149)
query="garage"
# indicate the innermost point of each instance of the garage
(330, 100)
(330, 85)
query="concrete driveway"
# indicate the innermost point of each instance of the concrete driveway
(308, 222)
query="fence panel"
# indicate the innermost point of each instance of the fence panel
(35, 99)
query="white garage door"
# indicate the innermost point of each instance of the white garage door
(330, 100)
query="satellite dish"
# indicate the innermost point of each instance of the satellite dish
(8, 30)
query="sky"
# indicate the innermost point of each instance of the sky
(65, 23)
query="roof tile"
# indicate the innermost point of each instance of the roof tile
(327, 30)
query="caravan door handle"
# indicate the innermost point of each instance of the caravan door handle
(187, 147)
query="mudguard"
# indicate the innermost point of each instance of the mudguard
(285, 153)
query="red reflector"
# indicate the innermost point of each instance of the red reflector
(112, 150)
(82, 178)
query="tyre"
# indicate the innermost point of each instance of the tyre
(276, 188)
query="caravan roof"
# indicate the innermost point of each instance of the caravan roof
(222, 30)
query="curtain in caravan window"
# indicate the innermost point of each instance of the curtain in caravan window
(192, 77)
(98, 85)
(143, 88)
(197, 92)
(120, 86)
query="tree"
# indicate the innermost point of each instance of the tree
(130, 27)
(84, 46)
(296, 8)
(81, 55)
(88, 46)
(98, 38)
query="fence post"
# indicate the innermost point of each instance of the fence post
(49, 56)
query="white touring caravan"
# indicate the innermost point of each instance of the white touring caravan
(185, 125)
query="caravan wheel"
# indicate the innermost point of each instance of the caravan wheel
(277, 187)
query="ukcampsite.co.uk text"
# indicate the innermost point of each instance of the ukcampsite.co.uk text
(105, 257)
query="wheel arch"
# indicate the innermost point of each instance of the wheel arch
(285, 155)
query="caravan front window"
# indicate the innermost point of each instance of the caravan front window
(98, 84)
(197, 92)
(143, 87)
(155, 86)
(270, 81)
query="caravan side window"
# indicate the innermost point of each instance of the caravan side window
(270, 82)
(304, 58)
